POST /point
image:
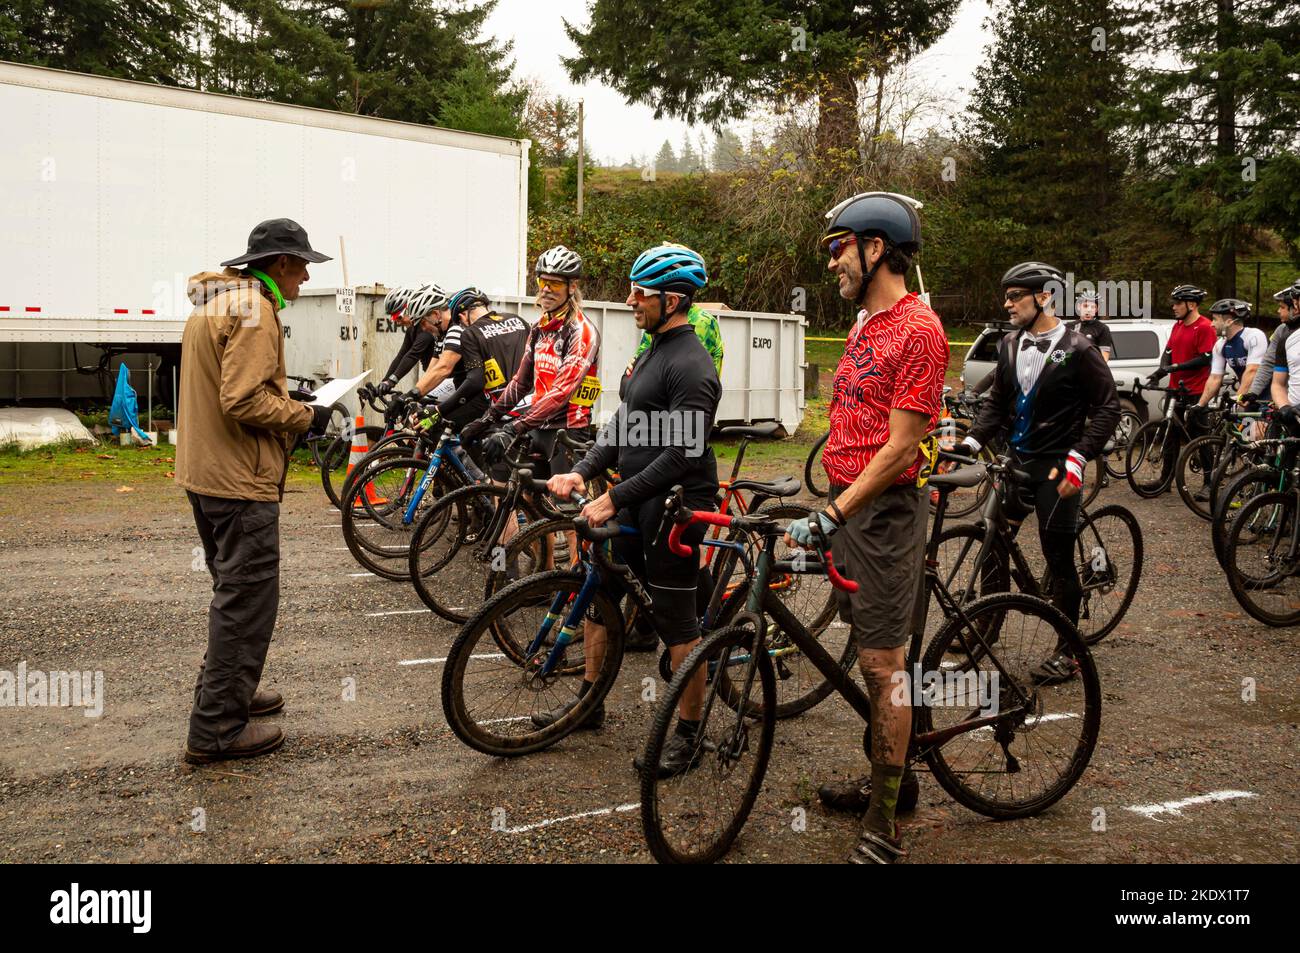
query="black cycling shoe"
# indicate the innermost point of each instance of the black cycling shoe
(1055, 670)
(596, 719)
(680, 755)
(853, 796)
(1202, 495)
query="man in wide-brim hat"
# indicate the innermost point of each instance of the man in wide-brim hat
(234, 438)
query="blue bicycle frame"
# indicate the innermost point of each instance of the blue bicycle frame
(569, 627)
(446, 450)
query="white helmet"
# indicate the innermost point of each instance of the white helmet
(559, 261)
(396, 301)
(427, 299)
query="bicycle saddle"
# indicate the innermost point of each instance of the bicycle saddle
(766, 429)
(965, 477)
(786, 486)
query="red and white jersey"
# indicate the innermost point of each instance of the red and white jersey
(559, 369)
(893, 359)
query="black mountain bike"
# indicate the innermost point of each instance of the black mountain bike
(995, 740)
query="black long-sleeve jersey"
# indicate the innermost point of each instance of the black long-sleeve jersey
(418, 345)
(659, 434)
(1073, 404)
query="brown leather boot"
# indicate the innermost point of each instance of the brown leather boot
(254, 740)
(266, 701)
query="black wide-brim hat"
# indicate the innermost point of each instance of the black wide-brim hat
(278, 236)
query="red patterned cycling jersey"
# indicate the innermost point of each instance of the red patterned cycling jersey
(559, 370)
(894, 359)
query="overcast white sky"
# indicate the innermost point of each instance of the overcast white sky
(616, 130)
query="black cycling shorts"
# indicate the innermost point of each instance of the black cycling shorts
(678, 587)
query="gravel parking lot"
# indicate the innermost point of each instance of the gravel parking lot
(1186, 770)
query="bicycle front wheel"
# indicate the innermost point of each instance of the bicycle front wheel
(491, 702)
(1262, 558)
(1240, 491)
(450, 560)
(1150, 459)
(1192, 473)
(1043, 736)
(1108, 556)
(694, 817)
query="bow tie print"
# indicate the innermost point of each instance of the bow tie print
(1042, 345)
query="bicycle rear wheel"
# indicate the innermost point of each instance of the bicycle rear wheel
(1044, 736)
(1262, 558)
(490, 700)
(695, 817)
(1116, 462)
(814, 475)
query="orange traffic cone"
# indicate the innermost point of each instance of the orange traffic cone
(357, 454)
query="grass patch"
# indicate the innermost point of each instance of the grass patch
(110, 463)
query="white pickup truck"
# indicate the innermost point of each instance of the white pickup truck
(1139, 342)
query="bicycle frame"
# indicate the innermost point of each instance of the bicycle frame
(446, 450)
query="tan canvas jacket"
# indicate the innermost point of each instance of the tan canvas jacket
(235, 411)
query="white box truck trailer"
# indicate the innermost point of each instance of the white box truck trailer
(113, 192)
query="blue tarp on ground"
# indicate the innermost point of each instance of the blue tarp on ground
(125, 412)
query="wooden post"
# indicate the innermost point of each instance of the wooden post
(581, 156)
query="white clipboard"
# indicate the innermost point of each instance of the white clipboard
(333, 391)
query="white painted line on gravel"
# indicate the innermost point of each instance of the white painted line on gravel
(502, 721)
(331, 526)
(360, 575)
(439, 661)
(375, 615)
(1176, 807)
(618, 809)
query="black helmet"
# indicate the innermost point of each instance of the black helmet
(1235, 308)
(885, 214)
(1188, 293)
(1033, 275)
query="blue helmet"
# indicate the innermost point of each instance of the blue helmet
(465, 299)
(669, 267)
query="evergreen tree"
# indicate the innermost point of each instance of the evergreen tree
(666, 160)
(1215, 138)
(713, 60)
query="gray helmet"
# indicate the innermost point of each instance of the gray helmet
(1289, 294)
(559, 261)
(428, 299)
(1235, 308)
(1189, 293)
(887, 215)
(1089, 296)
(397, 300)
(1033, 275)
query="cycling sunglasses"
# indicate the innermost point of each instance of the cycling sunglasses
(552, 284)
(1014, 296)
(836, 246)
